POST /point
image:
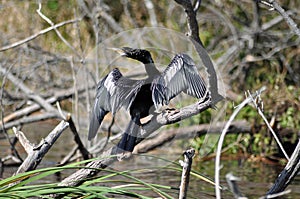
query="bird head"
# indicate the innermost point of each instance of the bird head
(141, 55)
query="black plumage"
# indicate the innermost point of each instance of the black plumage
(142, 97)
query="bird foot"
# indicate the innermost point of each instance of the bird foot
(171, 111)
(123, 155)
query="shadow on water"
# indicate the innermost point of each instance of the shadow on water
(256, 177)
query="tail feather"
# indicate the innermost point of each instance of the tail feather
(96, 119)
(127, 142)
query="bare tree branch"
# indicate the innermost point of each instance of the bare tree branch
(56, 31)
(37, 152)
(30, 94)
(194, 36)
(274, 5)
(18, 43)
(186, 169)
(58, 96)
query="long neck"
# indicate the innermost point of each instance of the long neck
(150, 68)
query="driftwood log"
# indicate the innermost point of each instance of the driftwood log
(37, 152)
(190, 132)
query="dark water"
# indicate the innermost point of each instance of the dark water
(154, 167)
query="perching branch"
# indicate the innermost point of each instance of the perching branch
(111, 155)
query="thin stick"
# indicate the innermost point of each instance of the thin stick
(30, 94)
(220, 143)
(274, 5)
(259, 110)
(56, 30)
(23, 41)
(186, 169)
(85, 154)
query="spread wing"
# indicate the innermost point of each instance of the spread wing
(113, 92)
(180, 75)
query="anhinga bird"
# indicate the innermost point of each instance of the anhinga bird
(142, 97)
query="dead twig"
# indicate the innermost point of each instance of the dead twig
(42, 32)
(186, 169)
(222, 137)
(29, 93)
(58, 96)
(37, 152)
(275, 6)
(30, 119)
(56, 31)
(259, 106)
(85, 154)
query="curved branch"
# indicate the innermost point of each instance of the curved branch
(194, 36)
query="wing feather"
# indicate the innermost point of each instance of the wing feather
(113, 92)
(180, 75)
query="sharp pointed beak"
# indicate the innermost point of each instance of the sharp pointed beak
(118, 50)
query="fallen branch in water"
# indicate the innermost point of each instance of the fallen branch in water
(37, 152)
(190, 132)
